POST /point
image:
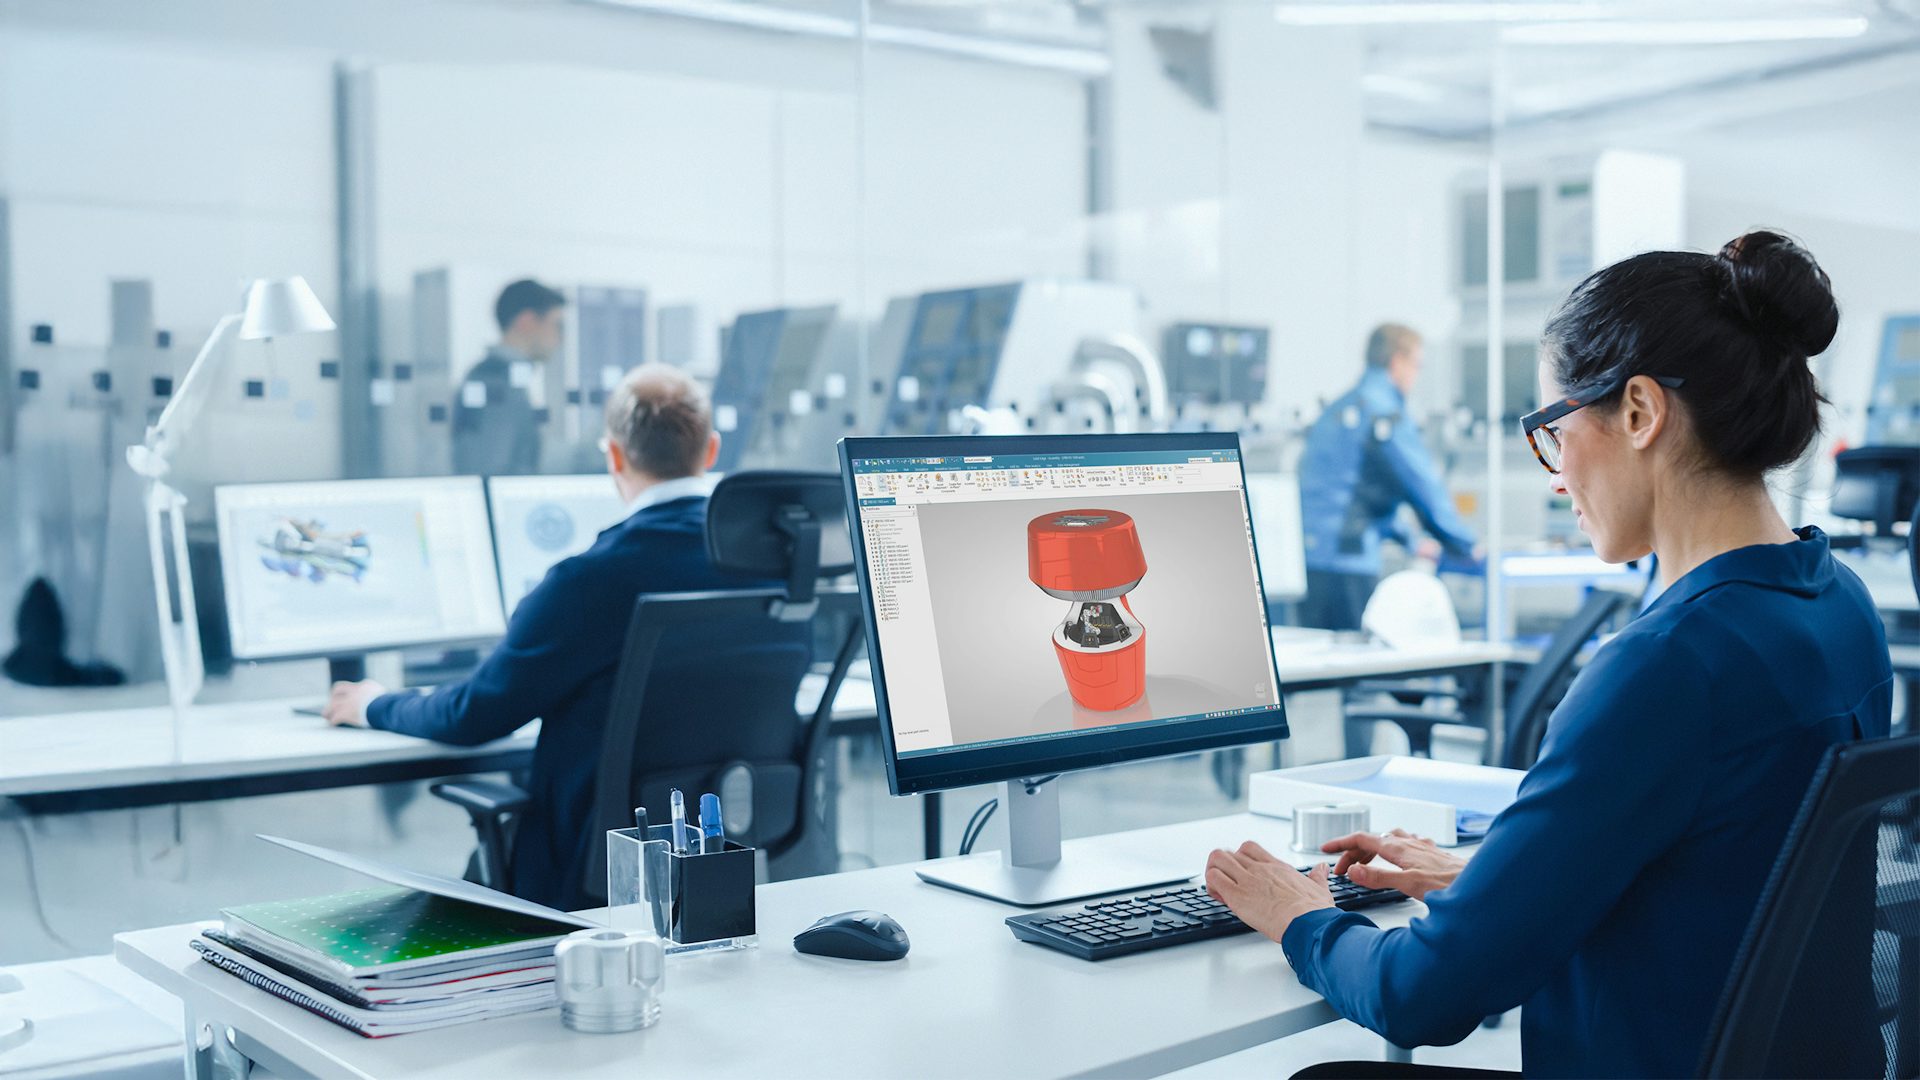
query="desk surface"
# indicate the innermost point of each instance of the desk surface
(228, 742)
(968, 1001)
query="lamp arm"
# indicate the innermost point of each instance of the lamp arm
(153, 458)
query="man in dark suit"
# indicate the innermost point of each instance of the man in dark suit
(495, 431)
(563, 644)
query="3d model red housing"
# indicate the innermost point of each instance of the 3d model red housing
(1092, 559)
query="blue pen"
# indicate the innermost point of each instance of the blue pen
(713, 835)
(682, 840)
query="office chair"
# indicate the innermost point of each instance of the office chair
(1827, 979)
(740, 654)
(1532, 699)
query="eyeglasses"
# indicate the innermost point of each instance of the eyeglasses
(1538, 427)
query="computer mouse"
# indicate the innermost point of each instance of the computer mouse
(854, 935)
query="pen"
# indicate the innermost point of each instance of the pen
(713, 835)
(640, 822)
(678, 802)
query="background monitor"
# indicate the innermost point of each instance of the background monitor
(1042, 604)
(539, 520)
(1275, 498)
(339, 568)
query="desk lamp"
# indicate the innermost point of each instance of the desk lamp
(274, 308)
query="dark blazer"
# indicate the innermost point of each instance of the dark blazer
(557, 663)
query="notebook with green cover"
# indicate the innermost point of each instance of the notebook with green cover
(388, 930)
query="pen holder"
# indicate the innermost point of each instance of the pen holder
(694, 901)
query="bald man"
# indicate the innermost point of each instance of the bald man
(564, 642)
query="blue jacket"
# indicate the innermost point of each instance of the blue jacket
(1363, 459)
(1610, 898)
(557, 663)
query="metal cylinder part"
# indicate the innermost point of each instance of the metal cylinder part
(1316, 823)
(609, 980)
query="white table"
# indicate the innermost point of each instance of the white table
(123, 757)
(968, 1001)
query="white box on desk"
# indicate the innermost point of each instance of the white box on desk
(1276, 793)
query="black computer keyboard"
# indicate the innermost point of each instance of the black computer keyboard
(1154, 920)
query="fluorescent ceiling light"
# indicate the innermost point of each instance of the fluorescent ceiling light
(1687, 32)
(1441, 11)
(1084, 62)
(1401, 86)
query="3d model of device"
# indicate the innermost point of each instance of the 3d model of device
(1092, 559)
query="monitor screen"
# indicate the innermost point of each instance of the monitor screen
(345, 566)
(539, 520)
(1039, 604)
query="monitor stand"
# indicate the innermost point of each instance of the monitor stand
(351, 668)
(1032, 872)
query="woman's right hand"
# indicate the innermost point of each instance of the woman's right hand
(1423, 867)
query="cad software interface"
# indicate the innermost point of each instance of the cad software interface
(1034, 597)
(346, 566)
(540, 520)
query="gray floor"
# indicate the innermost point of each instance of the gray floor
(69, 882)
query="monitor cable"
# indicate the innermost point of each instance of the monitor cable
(978, 822)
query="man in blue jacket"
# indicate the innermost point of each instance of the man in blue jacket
(563, 644)
(1363, 460)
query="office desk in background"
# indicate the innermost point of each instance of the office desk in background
(117, 758)
(968, 1001)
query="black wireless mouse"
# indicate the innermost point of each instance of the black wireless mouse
(854, 935)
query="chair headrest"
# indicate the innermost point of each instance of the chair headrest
(757, 523)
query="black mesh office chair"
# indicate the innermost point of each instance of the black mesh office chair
(1538, 691)
(741, 654)
(1827, 981)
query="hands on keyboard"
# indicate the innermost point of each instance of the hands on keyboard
(1154, 920)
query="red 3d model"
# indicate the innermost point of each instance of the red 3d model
(1092, 559)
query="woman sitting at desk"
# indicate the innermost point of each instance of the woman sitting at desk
(1611, 897)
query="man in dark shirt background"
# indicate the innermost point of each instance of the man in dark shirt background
(495, 432)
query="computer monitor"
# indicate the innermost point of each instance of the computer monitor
(1275, 498)
(1040, 604)
(341, 568)
(539, 520)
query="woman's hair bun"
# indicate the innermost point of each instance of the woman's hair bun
(1775, 286)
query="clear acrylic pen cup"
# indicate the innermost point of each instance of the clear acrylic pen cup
(636, 881)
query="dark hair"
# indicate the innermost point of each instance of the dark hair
(525, 295)
(1737, 326)
(1389, 340)
(662, 421)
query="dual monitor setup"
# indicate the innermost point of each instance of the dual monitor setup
(1034, 605)
(341, 568)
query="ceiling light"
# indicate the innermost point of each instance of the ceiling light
(1687, 32)
(1409, 14)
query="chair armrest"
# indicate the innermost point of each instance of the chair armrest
(488, 803)
(482, 798)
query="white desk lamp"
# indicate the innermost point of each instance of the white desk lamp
(274, 308)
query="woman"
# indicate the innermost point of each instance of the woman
(1610, 898)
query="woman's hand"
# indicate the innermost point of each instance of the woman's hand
(1423, 868)
(1264, 892)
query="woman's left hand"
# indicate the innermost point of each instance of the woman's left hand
(1266, 893)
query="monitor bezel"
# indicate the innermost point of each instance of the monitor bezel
(964, 768)
(357, 648)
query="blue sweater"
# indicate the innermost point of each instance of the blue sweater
(1610, 898)
(557, 663)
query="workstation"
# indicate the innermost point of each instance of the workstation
(825, 539)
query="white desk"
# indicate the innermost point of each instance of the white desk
(1315, 660)
(114, 758)
(968, 1001)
